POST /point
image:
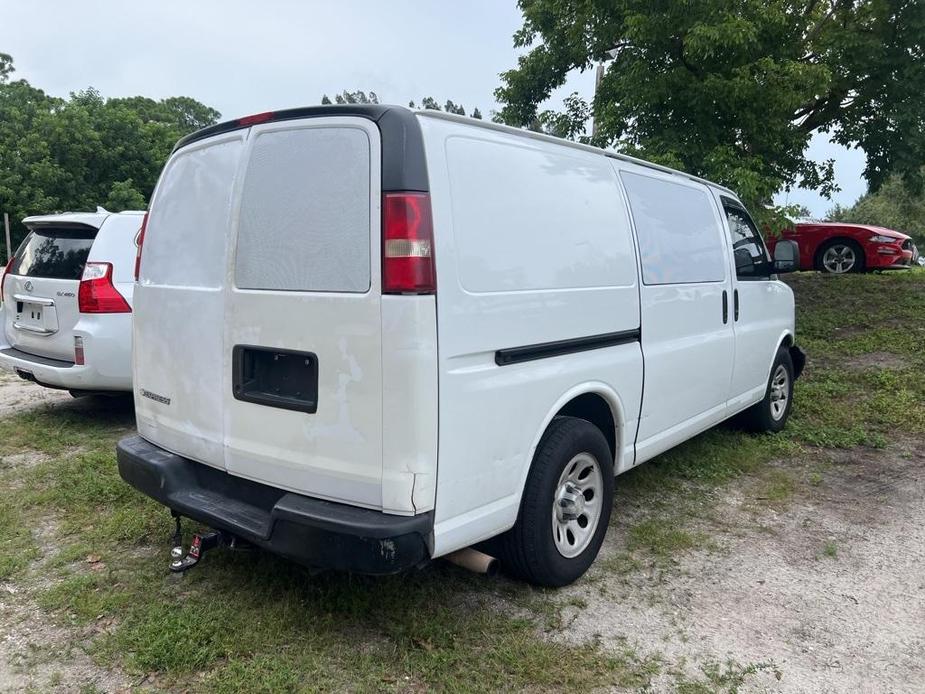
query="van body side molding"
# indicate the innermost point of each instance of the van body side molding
(544, 350)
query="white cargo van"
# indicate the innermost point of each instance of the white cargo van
(366, 337)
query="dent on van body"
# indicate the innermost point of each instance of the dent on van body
(409, 403)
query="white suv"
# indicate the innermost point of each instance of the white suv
(366, 337)
(67, 302)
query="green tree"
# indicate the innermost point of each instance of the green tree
(124, 196)
(893, 206)
(451, 107)
(357, 97)
(83, 151)
(732, 90)
(6, 66)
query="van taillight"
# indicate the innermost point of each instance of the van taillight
(407, 244)
(6, 271)
(257, 118)
(97, 294)
(139, 241)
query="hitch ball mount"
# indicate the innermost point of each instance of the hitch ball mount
(181, 561)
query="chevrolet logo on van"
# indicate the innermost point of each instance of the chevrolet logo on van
(155, 397)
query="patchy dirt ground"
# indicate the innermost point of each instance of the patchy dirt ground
(17, 394)
(36, 654)
(827, 595)
(823, 592)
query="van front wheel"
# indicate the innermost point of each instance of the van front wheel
(565, 507)
(772, 412)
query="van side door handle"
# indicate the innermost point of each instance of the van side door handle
(735, 304)
(725, 307)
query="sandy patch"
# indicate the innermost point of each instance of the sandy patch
(825, 596)
(17, 395)
(876, 361)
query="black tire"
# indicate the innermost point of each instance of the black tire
(760, 417)
(528, 551)
(860, 261)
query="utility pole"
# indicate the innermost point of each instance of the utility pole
(6, 223)
(598, 77)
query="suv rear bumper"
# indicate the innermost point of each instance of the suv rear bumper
(54, 373)
(313, 532)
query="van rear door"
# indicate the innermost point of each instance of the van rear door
(179, 357)
(302, 315)
(41, 289)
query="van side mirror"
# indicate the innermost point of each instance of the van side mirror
(786, 256)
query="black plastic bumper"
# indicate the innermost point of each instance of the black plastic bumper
(313, 532)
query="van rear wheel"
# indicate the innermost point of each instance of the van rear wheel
(565, 507)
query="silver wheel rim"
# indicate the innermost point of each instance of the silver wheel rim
(839, 259)
(576, 508)
(780, 392)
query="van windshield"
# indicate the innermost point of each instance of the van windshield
(54, 253)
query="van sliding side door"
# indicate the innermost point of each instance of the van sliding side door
(685, 293)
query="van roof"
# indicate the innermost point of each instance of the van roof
(403, 168)
(430, 113)
(89, 219)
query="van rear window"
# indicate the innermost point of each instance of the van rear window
(54, 253)
(187, 236)
(305, 212)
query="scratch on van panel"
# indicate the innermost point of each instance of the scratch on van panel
(387, 549)
(342, 428)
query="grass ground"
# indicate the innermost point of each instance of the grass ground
(90, 554)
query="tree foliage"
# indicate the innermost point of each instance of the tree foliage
(732, 90)
(84, 151)
(893, 206)
(431, 104)
(348, 97)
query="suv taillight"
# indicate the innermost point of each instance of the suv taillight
(97, 294)
(139, 242)
(6, 270)
(407, 244)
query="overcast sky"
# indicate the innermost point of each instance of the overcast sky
(246, 57)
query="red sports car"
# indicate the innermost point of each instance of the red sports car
(839, 248)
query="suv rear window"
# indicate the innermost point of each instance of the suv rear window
(55, 253)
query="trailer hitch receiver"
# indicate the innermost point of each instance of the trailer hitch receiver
(181, 561)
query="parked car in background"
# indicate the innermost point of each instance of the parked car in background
(67, 302)
(391, 335)
(837, 248)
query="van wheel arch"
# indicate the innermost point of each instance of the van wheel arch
(593, 408)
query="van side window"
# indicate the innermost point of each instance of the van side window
(751, 258)
(679, 239)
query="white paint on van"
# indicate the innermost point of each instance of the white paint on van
(536, 240)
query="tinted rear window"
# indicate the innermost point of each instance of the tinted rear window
(305, 212)
(54, 253)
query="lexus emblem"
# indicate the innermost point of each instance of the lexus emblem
(28, 285)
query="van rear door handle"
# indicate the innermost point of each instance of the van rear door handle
(735, 304)
(725, 307)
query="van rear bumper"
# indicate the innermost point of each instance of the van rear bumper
(313, 532)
